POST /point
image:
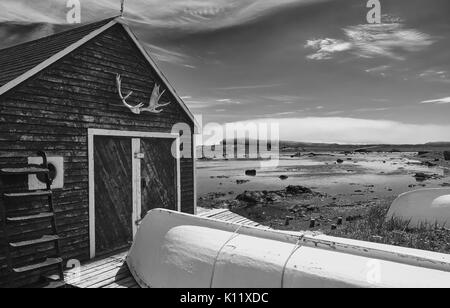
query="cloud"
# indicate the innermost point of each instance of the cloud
(198, 104)
(386, 40)
(325, 48)
(280, 114)
(354, 130)
(169, 56)
(381, 70)
(445, 100)
(372, 109)
(435, 75)
(250, 87)
(228, 101)
(390, 40)
(209, 102)
(182, 14)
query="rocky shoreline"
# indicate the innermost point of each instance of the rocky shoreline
(293, 208)
(357, 213)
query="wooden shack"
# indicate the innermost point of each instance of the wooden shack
(95, 102)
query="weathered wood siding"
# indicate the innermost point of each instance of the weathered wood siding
(52, 112)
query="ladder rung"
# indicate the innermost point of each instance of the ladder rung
(31, 217)
(35, 193)
(33, 267)
(55, 285)
(52, 278)
(42, 240)
(24, 170)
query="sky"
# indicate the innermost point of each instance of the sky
(317, 67)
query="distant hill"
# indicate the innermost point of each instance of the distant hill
(439, 144)
(294, 146)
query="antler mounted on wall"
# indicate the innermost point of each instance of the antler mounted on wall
(153, 105)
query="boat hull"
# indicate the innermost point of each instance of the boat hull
(422, 207)
(175, 250)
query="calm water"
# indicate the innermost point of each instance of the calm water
(390, 174)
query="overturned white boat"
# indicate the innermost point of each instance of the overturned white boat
(175, 250)
(423, 208)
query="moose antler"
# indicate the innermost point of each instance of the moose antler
(135, 109)
(153, 105)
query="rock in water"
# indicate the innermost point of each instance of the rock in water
(250, 172)
(447, 155)
(298, 190)
(284, 177)
(420, 176)
(240, 182)
(340, 161)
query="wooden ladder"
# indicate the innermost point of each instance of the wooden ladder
(55, 281)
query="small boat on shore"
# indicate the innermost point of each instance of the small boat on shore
(427, 208)
(176, 250)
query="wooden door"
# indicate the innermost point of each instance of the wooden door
(113, 193)
(158, 175)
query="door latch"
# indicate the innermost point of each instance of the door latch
(139, 155)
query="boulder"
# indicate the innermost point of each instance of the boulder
(420, 176)
(429, 164)
(251, 197)
(447, 155)
(240, 182)
(250, 172)
(298, 190)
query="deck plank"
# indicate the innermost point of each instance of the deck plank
(112, 271)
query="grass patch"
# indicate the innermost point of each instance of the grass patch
(374, 228)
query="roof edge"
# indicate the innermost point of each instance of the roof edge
(43, 65)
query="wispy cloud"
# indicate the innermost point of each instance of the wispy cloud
(372, 109)
(228, 101)
(251, 87)
(326, 48)
(169, 56)
(435, 75)
(382, 70)
(183, 14)
(286, 113)
(445, 100)
(390, 40)
(210, 102)
(284, 98)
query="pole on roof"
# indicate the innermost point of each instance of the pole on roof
(122, 7)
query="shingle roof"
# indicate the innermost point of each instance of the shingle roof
(17, 60)
(20, 62)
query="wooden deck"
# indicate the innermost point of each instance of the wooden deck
(109, 272)
(112, 271)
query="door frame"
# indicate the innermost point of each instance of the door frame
(134, 136)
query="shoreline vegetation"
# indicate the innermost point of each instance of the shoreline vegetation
(299, 208)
